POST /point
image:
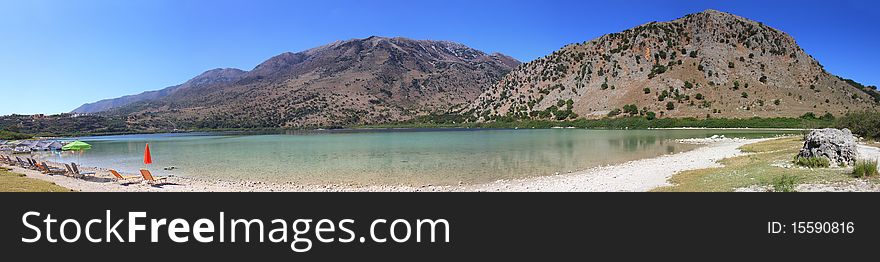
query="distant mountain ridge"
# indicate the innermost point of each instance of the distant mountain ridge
(358, 81)
(214, 76)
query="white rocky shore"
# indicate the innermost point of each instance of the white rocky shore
(637, 175)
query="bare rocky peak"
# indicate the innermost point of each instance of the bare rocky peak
(357, 81)
(710, 63)
(366, 53)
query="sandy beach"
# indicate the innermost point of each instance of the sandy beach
(637, 175)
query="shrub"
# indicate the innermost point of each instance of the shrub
(647, 90)
(865, 124)
(808, 115)
(745, 95)
(865, 168)
(698, 96)
(631, 109)
(614, 112)
(693, 54)
(688, 85)
(785, 183)
(651, 115)
(763, 79)
(670, 106)
(812, 162)
(776, 102)
(656, 70)
(730, 65)
(7, 135)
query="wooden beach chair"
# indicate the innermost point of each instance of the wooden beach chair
(32, 164)
(21, 162)
(35, 164)
(25, 164)
(51, 170)
(120, 177)
(76, 170)
(71, 173)
(8, 160)
(41, 169)
(150, 178)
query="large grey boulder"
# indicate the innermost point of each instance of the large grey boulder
(837, 145)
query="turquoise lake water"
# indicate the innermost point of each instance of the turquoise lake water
(407, 157)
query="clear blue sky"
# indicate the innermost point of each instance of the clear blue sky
(56, 55)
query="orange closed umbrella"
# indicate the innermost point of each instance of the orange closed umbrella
(148, 159)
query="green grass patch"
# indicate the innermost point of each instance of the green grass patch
(768, 165)
(13, 182)
(785, 183)
(865, 168)
(812, 162)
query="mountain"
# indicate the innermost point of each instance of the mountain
(214, 76)
(708, 64)
(359, 81)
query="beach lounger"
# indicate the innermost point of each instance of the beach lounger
(150, 178)
(40, 168)
(8, 160)
(76, 170)
(121, 177)
(21, 162)
(51, 169)
(34, 164)
(71, 172)
(44, 169)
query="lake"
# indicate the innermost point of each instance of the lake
(393, 157)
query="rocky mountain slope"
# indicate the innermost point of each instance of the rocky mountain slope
(708, 64)
(360, 81)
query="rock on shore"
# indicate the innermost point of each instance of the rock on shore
(839, 146)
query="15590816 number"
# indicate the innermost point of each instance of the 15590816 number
(823, 227)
